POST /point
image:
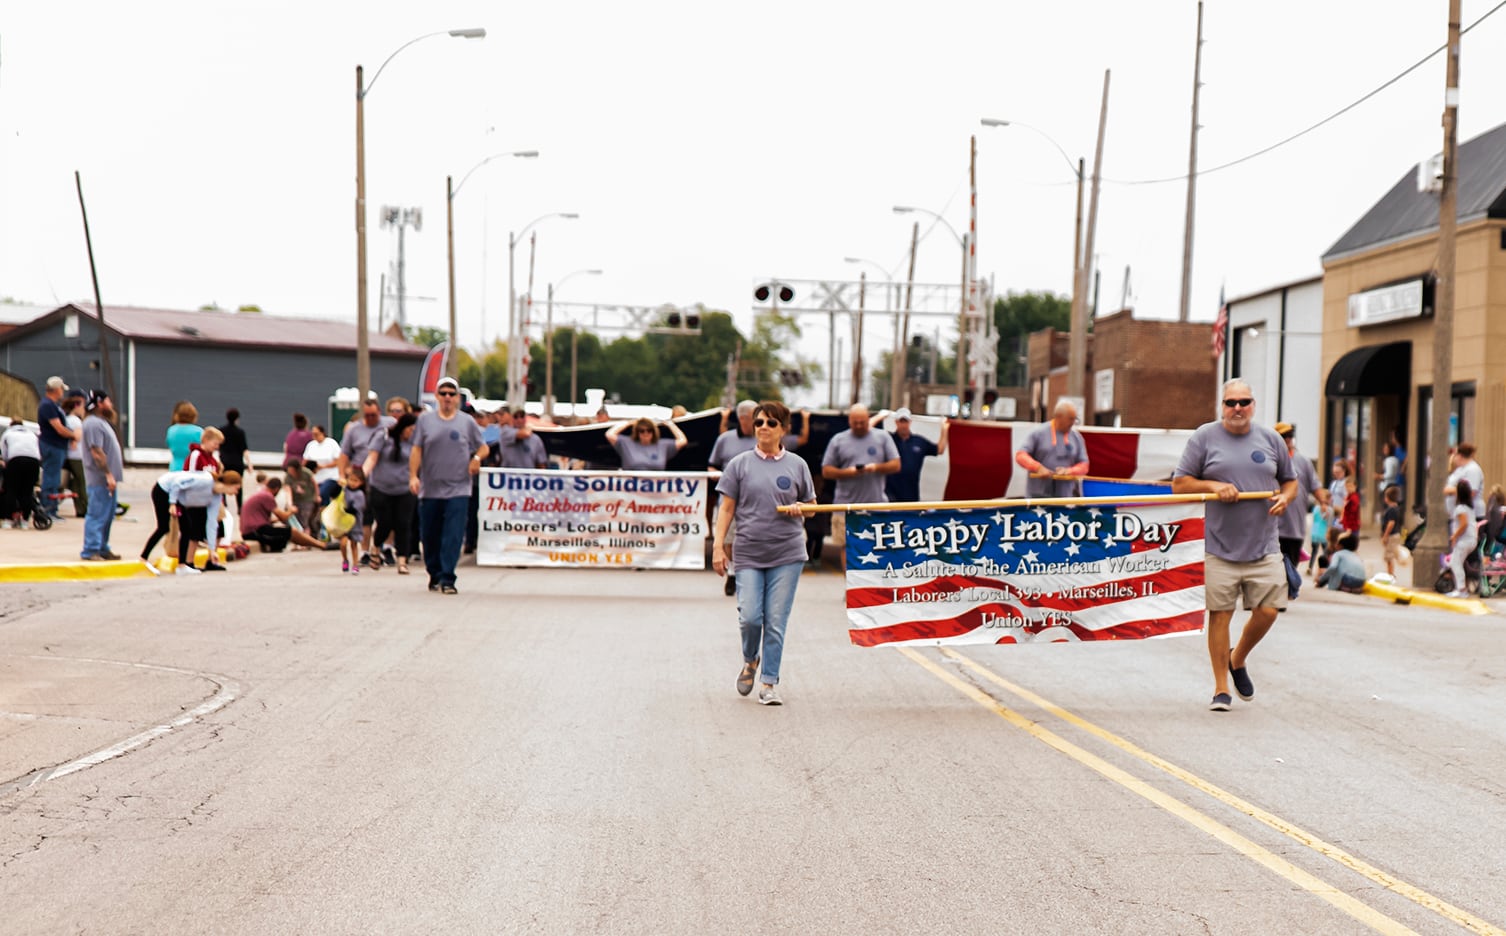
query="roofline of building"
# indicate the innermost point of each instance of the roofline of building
(1270, 290)
(46, 320)
(1403, 238)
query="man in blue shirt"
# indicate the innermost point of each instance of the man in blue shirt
(55, 439)
(904, 485)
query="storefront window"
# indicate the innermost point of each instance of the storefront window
(1461, 427)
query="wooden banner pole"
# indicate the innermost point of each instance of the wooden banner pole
(1114, 501)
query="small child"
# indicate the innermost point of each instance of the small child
(1346, 571)
(1351, 516)
(1319, 534)
(1391, 529)
(355, 505)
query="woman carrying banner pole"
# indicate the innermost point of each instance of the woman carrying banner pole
(770, 544)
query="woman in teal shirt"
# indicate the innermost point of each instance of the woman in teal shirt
(182, 434)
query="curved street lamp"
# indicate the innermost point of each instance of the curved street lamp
(363, 340)
(515, 375)
(452, 359)
(909, 209)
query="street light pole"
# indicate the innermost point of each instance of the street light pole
(363, 342)
(452, 359)
(514, 355)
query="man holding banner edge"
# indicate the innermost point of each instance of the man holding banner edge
(1223, 458)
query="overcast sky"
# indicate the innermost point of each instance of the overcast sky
(706, 146)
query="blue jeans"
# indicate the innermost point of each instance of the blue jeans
(52, 477)
(764, 599)
(98, 520)
(441, 527)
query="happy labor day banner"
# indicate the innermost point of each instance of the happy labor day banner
(1024, 574)
(593, 519)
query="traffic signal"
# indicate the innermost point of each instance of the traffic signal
(763, 292)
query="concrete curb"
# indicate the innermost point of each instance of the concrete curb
(74, 571)
(1429, 599)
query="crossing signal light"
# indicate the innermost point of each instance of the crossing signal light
(763, 292)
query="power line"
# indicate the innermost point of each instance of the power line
(1329, 119)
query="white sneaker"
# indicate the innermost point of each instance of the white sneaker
(150, 568)
(1457, 594)
(769, 695)
(187, 570)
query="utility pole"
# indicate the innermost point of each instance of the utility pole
(1435, 540)
(857, 340)
(976, 328)
(960, 390)
(901, 361)
(1197, 84)
(1077, 353)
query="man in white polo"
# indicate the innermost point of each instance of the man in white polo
(1225, 458)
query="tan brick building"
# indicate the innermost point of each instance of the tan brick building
(1378, 286)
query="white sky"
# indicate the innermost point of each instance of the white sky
(706, 146)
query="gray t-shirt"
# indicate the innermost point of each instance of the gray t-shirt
(1055, 450)
(98, 433)
(388, 476)
(523, 451)
(1243, 531)
(447, 445)
(358, 438)
(639, 457)
(846, 450)
(1293, 523)
(732, 443)
(758, 487)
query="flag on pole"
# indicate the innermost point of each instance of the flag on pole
(1220, 326)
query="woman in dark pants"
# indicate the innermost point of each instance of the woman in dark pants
(391, 502)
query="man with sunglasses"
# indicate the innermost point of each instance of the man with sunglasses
(1225, 458)
(447, 453)
(857, 459)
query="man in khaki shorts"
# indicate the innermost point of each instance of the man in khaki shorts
(1242, 560)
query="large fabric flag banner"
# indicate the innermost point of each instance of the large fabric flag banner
(596, 519)
(1024, 574)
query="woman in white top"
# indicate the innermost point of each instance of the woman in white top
(324, 452)
(72, 405)
(1465, 469)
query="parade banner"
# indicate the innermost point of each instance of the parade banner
(593, 519)
(1024, 574)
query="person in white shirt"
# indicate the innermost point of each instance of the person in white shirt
(73, 406)
(324, 452)
(21, 453)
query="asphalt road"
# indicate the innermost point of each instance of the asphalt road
(563, 752)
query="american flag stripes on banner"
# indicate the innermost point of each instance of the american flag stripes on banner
(1024, 574)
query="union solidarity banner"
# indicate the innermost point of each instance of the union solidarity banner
(593, 519)
(1024, 574)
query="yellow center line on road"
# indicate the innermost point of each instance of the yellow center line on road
(1415, 894)
(1313, 885)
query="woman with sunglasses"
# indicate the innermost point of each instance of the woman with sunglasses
(644, 450)
(770, 544)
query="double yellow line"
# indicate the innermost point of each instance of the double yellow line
(1308, 882)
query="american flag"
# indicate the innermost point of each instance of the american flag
(1220, 326)
(1024, 575)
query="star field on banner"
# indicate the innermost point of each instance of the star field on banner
(1024, 574)
(565, 519)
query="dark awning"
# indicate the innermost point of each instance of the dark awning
(1376, 370)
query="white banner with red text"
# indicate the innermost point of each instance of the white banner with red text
(593, 519)
(1024, 574)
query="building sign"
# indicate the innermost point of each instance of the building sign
(1103, 398)
(1388, 303)
(595, 519)
(1024, 574)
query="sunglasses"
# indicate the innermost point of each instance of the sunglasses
(446, 393)
(1242, 401)
(761, 423)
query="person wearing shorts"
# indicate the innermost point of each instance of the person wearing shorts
(1243, 560)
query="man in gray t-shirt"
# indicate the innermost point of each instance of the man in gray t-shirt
(447, 452)
(1291, 526)
(1226, 458)
(857, 460)
(103, 470)
(356, 443)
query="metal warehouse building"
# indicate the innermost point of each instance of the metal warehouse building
(266, 366)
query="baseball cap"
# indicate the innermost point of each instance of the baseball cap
(56, 383)
(1285, 428)
(447, 382)
(95, 397)
(902, 413)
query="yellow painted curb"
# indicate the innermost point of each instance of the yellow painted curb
(74, 571)
(1426, 599)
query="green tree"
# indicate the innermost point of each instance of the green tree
(1016, 315)
(425, 335)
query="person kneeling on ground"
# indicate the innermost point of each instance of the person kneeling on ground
(262, 521)
(1345, 571)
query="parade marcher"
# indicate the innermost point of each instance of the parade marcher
(904, 484)
(103, 471)
(387, 494)
(517, 446)
(770, 548)
(1291, 526)
(737, 439)
(53, 443)
(447, 451)
(1056, 455)
(356, 443)
(855, 459)
(355, 505)
(644, 450)
(1225, 458)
